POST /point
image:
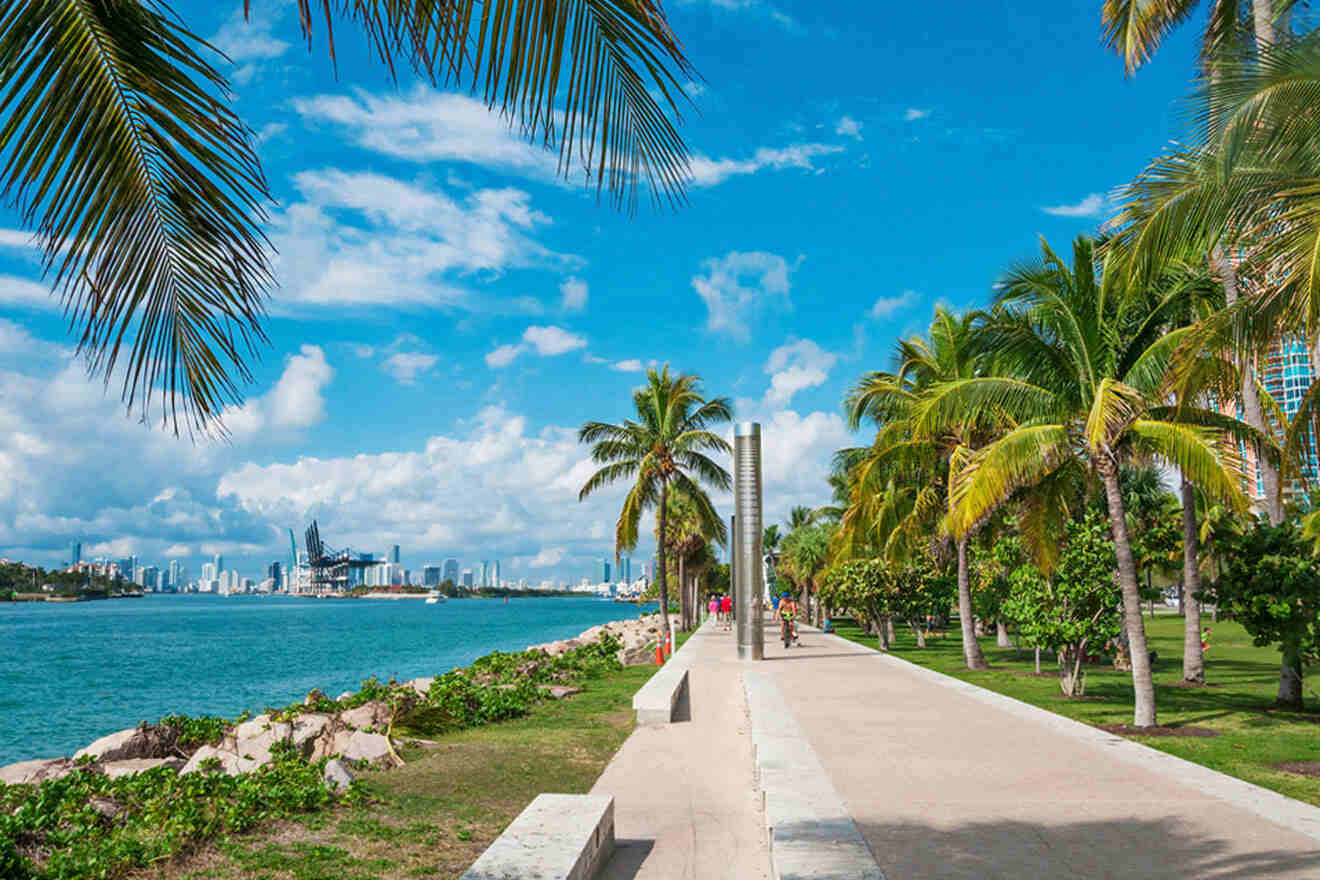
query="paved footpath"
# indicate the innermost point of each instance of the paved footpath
(685, 800)
(943, 780)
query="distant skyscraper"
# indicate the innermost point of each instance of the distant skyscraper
(485, 573)
(625, 569)
(151, 579)
(219, 563)
(208, 572)
(174, 574)
(603, 571)
(275, 573)
(431, 576)
(467, 578)
(394, 554)
(75, 553)
(495, 575)
(451, 570)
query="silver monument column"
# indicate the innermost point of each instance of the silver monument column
(749, 584)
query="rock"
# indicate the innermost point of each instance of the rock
(636, 655)
(133, 766)
(337, 775)
(313, 697)
(559, 691)
(33, 772)
(105, 806)
(254, 739)
(358, 745)
(374, 714)
(421, 685)
(145, 741)
(344, 696)
(229, 761)
(308, 730)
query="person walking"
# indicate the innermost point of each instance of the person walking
(726, 611)
(713, 607)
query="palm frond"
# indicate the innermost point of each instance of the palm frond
(1202, 455)
(1023, 457)
(1116, 406)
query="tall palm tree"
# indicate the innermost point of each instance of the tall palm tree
(903, 477)
(1083, 373)
(664, 449)
(121, 151)
(686, 538)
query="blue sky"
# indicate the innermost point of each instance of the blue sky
(449, 312)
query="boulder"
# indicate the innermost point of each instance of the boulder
(253, 740)
(421, 685)
(337, 775)
(358, 745)
(33, 772)
(230, 763)
(344, 696)
(373, 714)
(107, 807)
(134, 766)
(559, 691)
(145, 741)
(313, 697)
(636, 655)
(308, 730)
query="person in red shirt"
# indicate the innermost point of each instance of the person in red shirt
(726, 610)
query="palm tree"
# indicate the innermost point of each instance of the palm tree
(686, 538)
(806, 556)
(1134, 29)
(1082, 371)
(664, 449)
(903, 477)
(143, 187)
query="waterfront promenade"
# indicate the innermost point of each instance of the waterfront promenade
(943, 780)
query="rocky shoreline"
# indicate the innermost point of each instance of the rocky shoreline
(352, 735)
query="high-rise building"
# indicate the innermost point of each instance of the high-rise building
(275, 572)
(485, 573)
(174, 575)
(431, 576)
(625, 569)
(394, 554)
(219, 562)
(1286, 373)
(151, 578)
(208, 572)
(495, 575)
(467, 578)
(451, 570)
(602, 571)
(75, 553)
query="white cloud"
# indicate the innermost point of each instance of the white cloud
(912, 114)
(1091, 206)
(886, 306)
(574, 292)
(14, 339)
(296, 402)
(502, 356)
(270, 131)
(26, 294)
(796, 367)
(848, 127)
(429, 126)
(735, 286)
(629, 366)
(405, 366)
(250, 43)
(710, 172)
(549, 557)
(362, 351)
(549, 341)
(545, 341)
(358, 239)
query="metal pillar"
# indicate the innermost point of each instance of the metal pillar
(749, 586)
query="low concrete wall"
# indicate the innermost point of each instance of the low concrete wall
(657, 700)
(809, 829)
(558, 837)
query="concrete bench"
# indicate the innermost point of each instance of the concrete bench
(657, 700)
(558, 837)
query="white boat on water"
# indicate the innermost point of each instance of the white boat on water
(434, 598)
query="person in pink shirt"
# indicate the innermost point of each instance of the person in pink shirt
(713, 606)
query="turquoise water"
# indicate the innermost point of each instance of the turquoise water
(72, 672)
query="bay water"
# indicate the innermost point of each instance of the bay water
(72, 672)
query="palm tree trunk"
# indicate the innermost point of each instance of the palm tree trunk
(1262, 13)
(660, 574)
(684, 610)
(1252, 413)
(971, 647)
(1001, 635)
(1193, 658)
(1143, 685)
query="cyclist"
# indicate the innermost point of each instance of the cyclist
(788, 611)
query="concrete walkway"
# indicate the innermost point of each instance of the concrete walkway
(685, 803)
(946, 783)
(942, 779)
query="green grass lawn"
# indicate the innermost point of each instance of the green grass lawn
(1242, 683)
(433, 817)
